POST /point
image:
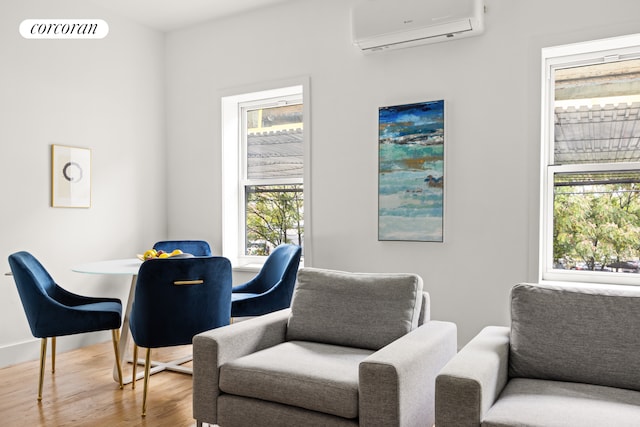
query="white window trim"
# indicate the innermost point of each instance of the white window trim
(232, 162)
(575, 54)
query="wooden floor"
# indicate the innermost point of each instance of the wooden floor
(82, 392)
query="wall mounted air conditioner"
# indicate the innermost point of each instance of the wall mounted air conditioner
(392, 24)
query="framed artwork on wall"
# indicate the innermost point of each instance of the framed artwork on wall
(411, 183)
(70, 177)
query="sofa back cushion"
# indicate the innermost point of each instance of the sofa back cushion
(582, 334)
(363, 310)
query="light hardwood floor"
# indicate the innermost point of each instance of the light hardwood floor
(82, 392)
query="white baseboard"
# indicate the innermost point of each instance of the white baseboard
(24, 351)
(29, 350)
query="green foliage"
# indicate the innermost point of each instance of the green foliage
(596, 224)
(274, 217)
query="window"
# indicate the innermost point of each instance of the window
(265, 198)
(590, 227)
(272, 177)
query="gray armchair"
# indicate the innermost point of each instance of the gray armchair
(570, 358)
(353, 349)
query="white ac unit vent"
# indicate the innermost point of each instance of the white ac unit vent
(393, 24)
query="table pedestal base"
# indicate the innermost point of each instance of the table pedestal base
(174, 365)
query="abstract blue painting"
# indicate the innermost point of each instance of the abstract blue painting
(411, 172)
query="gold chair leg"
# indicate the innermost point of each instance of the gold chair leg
(115, 335)
(147, 367)
(135, 366)
(53, 355)
(43, 355)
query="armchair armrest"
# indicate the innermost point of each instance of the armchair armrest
(470, 383)
(211, 349)
(397, 383)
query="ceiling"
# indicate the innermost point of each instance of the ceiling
(168, 15)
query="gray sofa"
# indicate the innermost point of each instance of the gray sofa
(354, 349)
(570, 358)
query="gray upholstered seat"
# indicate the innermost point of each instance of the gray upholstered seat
(353, 349)
(561, 403)
(316, 376)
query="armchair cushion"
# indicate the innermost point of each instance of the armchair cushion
(547, 403)
(577, 334)
(354, 309)
(320, 377)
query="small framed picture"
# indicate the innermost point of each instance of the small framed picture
(70, 177)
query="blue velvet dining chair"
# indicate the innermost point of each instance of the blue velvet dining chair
(272, 288)
(193, 247)
(53, 311)
(175, 299)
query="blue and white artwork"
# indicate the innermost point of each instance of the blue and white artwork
(411, 172)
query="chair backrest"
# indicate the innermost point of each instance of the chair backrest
(193, 247)
(35, 287)
(576, 333)
(177, 298)
(363, 310)
(281, 266)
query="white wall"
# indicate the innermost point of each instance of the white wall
(113, 96)
(106, 95)
(491, 88)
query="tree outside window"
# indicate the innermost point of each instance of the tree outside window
(597, 221)
(274, 216)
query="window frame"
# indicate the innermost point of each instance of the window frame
(559, 57)
(234, 165)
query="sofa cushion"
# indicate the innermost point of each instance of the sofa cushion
(365, 310)
(527, 402)
(308, 375)
(584, 334)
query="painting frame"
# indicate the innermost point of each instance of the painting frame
(411, 172)
(70, 177)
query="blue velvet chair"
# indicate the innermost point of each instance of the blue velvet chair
(193, 247)
(272, 288)
(52, 311)
(175, 299)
